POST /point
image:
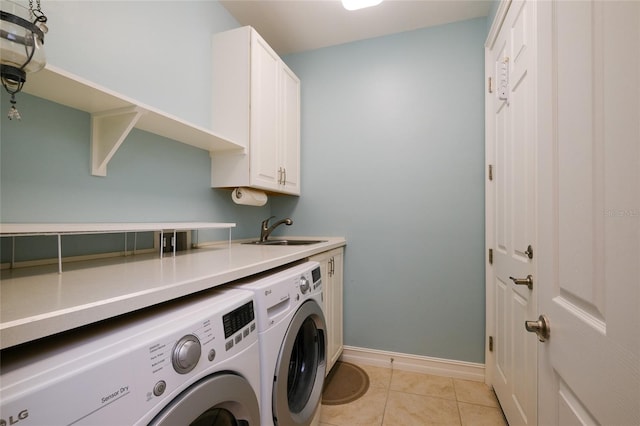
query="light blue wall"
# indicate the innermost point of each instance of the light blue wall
(393, 154)
(155, 52)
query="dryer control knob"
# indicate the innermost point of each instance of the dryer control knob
(304, 285)
(186, 354)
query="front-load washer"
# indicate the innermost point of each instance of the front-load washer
(292, 336)
(193, 361)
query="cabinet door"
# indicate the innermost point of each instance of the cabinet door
(327, 299)
(290, 131)
(264, 153)
(323, 259)
(332, 269)
(336, 334)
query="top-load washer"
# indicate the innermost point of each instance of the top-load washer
(191, 361)
(292, 336)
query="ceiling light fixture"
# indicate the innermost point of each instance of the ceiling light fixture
(22, 33)
(359, 4)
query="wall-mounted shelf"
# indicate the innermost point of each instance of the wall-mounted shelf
(60, 229)
(114, 115)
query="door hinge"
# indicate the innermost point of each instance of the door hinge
(490, 85)
(490, 256)
(490, 343)
(490, 171)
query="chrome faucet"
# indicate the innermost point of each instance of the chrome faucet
(266, 230)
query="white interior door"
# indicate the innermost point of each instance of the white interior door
(511, 206)
(589, 201)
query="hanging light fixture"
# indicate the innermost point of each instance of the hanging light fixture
(359, 4)
(22, 33)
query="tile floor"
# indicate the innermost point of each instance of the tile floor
(403, 398)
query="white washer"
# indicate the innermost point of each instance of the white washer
(191, 361)
(292, 336)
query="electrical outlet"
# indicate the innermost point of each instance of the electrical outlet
(168, 242)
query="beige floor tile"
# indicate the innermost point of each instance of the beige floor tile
(401, 398)
(474, 393)
(405, 409)
(379, 377)
(365, 411)
(479, 415)
(422, 384)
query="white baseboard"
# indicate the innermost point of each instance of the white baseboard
(420, 364)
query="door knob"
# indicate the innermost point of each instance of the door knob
(540, 327)
(523, 281)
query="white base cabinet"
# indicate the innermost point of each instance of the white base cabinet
(256, 101)
(331, 266)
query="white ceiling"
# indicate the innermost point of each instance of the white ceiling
(291, 26)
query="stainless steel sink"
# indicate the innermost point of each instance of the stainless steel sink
(284, 242)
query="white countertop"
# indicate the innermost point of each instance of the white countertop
(38, 302)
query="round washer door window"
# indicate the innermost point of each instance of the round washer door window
(218, 400)
(218, 417)
(301, 366)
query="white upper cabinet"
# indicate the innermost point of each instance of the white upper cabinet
(256, 102)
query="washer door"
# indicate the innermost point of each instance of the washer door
(300, 370)
(219, 400)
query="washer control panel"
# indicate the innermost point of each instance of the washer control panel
(280, 293)
(309, 281)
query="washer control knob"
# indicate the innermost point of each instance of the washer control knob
(304, 285)
(186, 354)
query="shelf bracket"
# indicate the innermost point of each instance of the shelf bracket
(108, 130)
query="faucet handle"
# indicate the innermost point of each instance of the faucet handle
(266, 222)
(264, 229)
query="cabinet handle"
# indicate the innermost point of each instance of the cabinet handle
(279, 175)
(284, 179)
